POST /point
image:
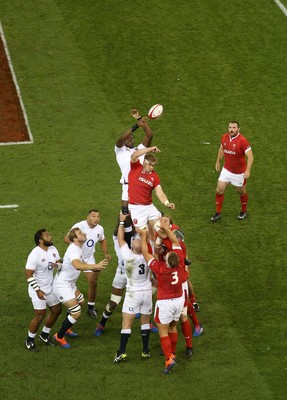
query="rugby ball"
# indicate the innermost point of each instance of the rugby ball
(155, 111)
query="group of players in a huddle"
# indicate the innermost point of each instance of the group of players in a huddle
(151, 259)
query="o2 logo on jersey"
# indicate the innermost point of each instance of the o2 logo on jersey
(90, 243)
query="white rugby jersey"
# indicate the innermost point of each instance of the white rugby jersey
(137, 270)
(40, 261)
(121, 264)
(94, 235)
(69, 274)
(123, 156)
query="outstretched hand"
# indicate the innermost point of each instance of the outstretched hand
(101, 265)
(154, 149)
(135, 113)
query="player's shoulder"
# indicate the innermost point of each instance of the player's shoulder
(119, 149)
(80, 224)
(35, 252)
(52, 249)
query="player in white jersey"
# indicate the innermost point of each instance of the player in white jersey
(120, 280)
(95, 234)
(40, 265)
(64, 285)
(138, 297)
(125, 147)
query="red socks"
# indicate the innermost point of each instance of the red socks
(244, 201)
(187, 333)
(191, 312)
(219, 198)
(165, 343)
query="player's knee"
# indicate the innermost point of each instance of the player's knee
(116, 299)
(75, 311)
(81, 299)
(39, 317)
(56, 310)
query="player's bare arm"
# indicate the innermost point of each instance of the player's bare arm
(121, 230)
(163, 198)
(138, 153)
(165, 225)
(121, 140)
(104, 247)
(29, 273)
(250, 158)
(219, 158)
(143, 123)
(145, 252)
(82, 266)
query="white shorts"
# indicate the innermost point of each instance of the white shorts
(169, 310)
(138, 302)
(120, 280)
(90, 261)
(65, 292)
(125, 188)
(237, 180)
(142, 214)
(38, 304)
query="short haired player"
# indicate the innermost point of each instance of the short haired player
(64, 285)
(40, 265)
(143, 180)
(170, 275)
(138, 296)
(238, 160)
(95, 234)
(125, 147)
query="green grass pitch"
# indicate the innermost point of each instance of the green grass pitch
(81, 66)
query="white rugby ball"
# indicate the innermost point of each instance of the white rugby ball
(155, 111)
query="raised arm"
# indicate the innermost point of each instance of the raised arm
(135, 156)
(145, 252)
(121, 230)
(142, 122)
(165, 225)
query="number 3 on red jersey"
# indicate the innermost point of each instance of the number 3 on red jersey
(174, 278)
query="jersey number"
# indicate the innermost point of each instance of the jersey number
(174, 278)
(141, 269)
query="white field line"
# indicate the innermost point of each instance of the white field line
(17, 89)
(9, 206)
(282, 8)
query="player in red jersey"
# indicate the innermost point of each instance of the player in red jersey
(170, 276)
(162, 246)
(142, 181)
(235, 149)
